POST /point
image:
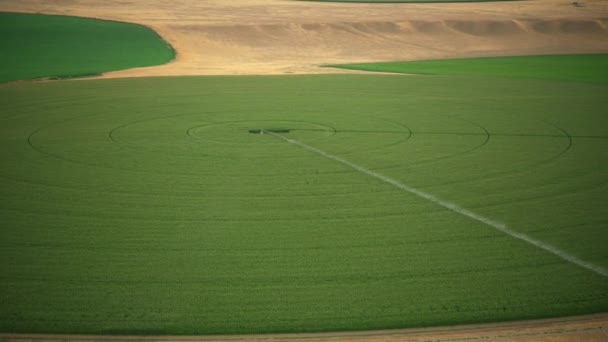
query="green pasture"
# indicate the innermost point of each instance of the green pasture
(37, 45)
(146, 206)
(579, 68)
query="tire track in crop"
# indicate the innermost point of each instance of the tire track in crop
(570, 226)
(529, 168)
(407, 135)
(181, 195)
(529, 199)
(391, 244)
(487, 134)
(406, 132)
(112, 137)
(396, 276)
(312, 215)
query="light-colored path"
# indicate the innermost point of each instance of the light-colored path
(452, 207)
(283, 36)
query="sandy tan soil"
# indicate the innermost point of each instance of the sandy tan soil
(283, 36)
(581, 328)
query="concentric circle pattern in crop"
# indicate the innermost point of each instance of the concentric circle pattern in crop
(157, 205)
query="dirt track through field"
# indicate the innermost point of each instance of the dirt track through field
(290, 37)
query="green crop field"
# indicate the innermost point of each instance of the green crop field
(176, 205)
(37, 45)
(583, 68)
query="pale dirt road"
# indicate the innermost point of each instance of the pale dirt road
(283, 37)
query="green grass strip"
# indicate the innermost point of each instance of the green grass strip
(37, 45)
(583, 68)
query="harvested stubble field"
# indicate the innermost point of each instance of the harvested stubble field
(157, 206)
(284, 36)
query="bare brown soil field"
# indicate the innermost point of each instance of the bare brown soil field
(284, 36)
(581, 328)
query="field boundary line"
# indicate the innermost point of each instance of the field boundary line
(501, 227)
(545, 329)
